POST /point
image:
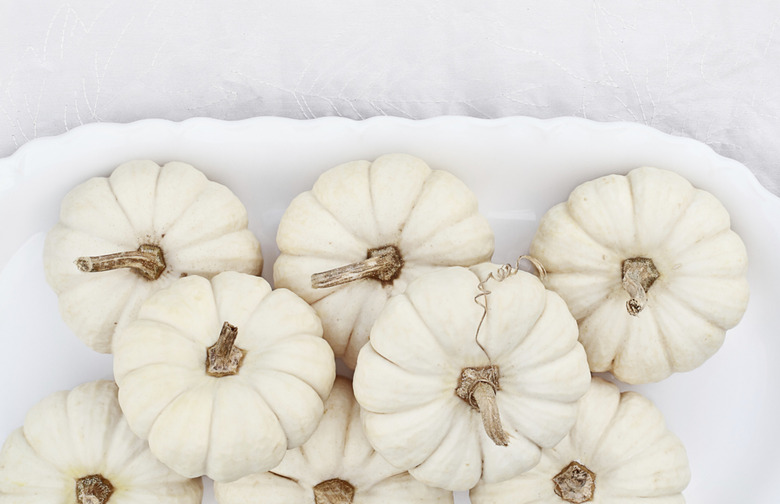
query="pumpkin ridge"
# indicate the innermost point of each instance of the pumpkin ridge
(414, 200)
(647, 333)
(121, 300)
(427, 328)
(123, 211)
(689, 311)
(153, 421)
(69, 413)
(703, 242)
(371, 198)
(226, 198)
(258, 390)
(467, 212)
(438, 230)
(664, 341)
(194, 245)
(684, 302)
(416, 246)
(212, 432)
(586, 232)
(154, 201)
(619, 414)
(651, 445)
(680, 215)
(603, 434)
(243, 323)
(363, 243)
(524, 336)
(148, 234)
(119, 436)
(114, 414)
(553, 239)
(549, 359)
(614, 297)
(184, 210)
(179, 333)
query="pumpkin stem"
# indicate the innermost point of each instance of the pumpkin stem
(223, 358)
(93, 489)
(147, 261)
(478, 387)
(382, 263)
(575, 483)
(334, 491)
(639, 273)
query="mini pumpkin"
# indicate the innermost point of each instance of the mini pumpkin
(468, 374)
(649, 268)
(223, 376)
(335, 466)
(618, 451)
(76, 448)
(367, 229)
(121, 238)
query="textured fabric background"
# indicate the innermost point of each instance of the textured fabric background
(696, 68)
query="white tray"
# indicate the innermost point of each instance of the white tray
(726, 412)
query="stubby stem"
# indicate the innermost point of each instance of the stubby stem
(575, 483)
(93, 489)
(223, 358)
(334, 491)
(478, 387)
(383, 264)
(639, 273)
(148, 261)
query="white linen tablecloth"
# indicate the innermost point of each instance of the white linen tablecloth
(702, 69)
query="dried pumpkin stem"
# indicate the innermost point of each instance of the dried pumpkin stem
(148, 261)
(478, 387)
(575, 483)
(639, 273)
(334, 491)
(382, 263)
(93, 489)
(223, 358)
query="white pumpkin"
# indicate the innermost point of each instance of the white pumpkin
(649, 267)
(121, 238)
(454, 392)
(618, 452)
(335, 466)
(365, 231)
(223, 376)
(76, 448)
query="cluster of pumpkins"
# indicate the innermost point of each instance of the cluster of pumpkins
(467, 375)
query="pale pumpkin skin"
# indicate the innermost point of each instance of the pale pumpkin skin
(225, 427)
(78, 433)
(338, 450)
(406, 377)
(701, 290)
(200, 226)
(429, 215)
(622, 439)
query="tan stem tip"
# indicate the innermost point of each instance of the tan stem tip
(575, 483)
(383, 264)
(93, 489)
(639, 274)
(478, 387)
(334, 491)
(148, 261)
(223, 358)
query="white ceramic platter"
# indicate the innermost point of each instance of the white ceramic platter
(726, 412)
